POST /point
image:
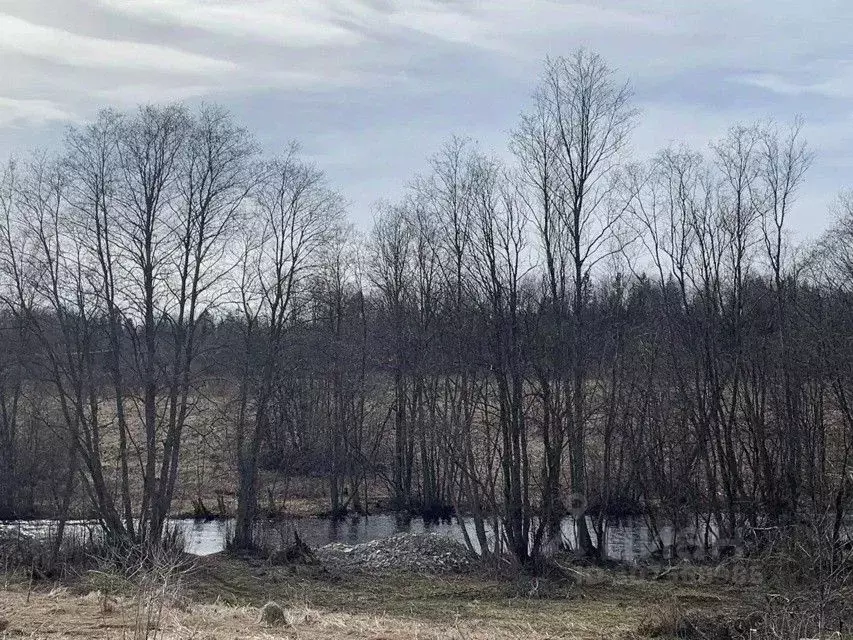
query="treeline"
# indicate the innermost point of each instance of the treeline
(568, 331)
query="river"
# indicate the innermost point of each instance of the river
(629, 540)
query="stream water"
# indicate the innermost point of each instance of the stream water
(629, 540)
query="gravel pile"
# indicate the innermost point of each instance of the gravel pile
(425, 552)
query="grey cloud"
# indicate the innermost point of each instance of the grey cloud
(371, 87)
(287, 24)
(56, 45)
(34, 112)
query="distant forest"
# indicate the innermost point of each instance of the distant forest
(572, 330)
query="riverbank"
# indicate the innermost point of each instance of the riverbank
(416, 586)
(221, 597)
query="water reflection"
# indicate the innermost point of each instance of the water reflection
(629, 540)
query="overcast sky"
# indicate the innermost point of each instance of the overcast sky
(372, 87)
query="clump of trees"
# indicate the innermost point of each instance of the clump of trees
(569, 330)
(120, 258)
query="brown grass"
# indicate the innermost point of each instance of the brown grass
(222, 598)
(207, 468)
(58, 614)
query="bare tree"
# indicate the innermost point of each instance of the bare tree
(49, 295)
(93, 166)
(391, 272)
(501, 266)
(295, 211)
(569, 147)
(150, 149)
(214, 179)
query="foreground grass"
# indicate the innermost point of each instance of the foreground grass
(220, 598)
(614, 605)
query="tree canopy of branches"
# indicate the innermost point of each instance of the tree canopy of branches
(566, 331)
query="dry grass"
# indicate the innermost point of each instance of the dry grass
(222, 599)
(59, 614)
(207, 470)
(455, 605)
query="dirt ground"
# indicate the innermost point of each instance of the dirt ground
(221, 598)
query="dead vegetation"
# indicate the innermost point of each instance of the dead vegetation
(225, 596)
(674, 620)
(61, 615)
(162, 594)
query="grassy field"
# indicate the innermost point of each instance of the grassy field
(220, 598)
(207, 473)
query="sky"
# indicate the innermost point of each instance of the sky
(371, 88)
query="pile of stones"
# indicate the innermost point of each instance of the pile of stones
(422, 552)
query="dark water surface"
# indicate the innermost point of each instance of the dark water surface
(629, 540)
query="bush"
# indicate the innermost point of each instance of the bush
(671, 621)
